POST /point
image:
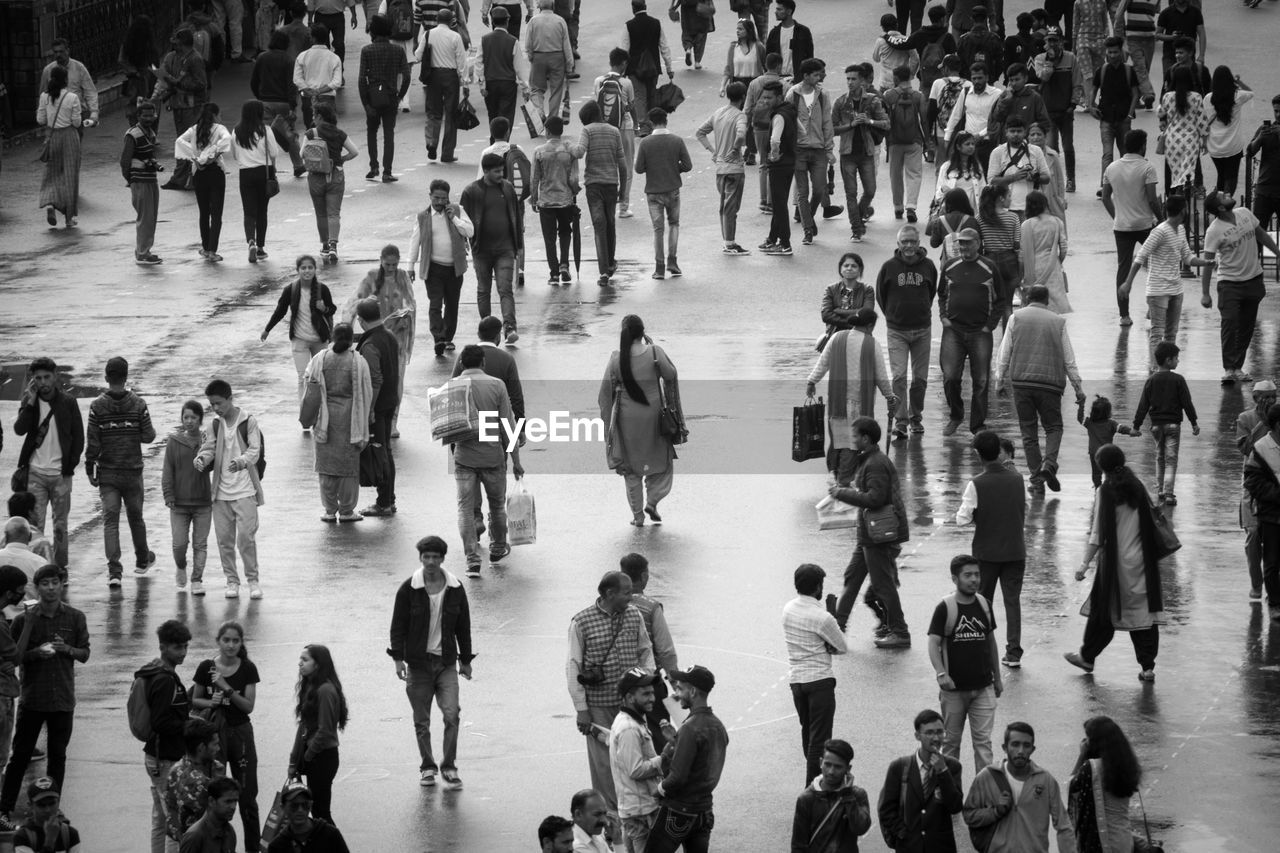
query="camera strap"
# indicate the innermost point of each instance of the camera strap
(609, 649)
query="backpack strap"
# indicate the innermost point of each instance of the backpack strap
(902, 788)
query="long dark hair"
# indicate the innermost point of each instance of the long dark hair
(204, 125)
(957, 201)
(252, 126)
(1037, 203)
(232, 625)
(749, 29)
(324, 673)
(57, 82)
(1120, 481)
(1121, 772)
(139, 46)
(987, 212)
(632, 331)
(342, 337)
(1223, 95)
(963, 165)
(1182, 85)
(387, 251)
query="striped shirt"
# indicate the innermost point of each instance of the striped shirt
(812, 636)
(1164, 253)
(1140, 18)
(425, 12)
(1002, 236)
(144, 152)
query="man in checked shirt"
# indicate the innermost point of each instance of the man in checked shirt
(812, 636)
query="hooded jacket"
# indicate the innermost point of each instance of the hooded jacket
(411, 621)
(1025, 829)
(170, 707)
(812, 831)
(180, 482)
(119, 424)
(906, 290)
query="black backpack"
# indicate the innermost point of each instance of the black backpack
(243, 427)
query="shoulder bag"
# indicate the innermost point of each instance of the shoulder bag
(670, 424)
(18, 482)
(674, 12)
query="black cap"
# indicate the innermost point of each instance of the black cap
(633, 678)
(699, 676)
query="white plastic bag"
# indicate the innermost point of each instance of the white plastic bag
(522, 517)
(835, 515)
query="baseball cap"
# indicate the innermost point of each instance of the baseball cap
(1053, 33)
(967, 235)
(699, 676)
(633, 678)
(42, 789)
(295, 788)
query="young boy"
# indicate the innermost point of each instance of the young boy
(139, 167)
(727, 127)
(46, 829)
(616, 86)
(907, 137)
(1163, 254)
(1167, 398)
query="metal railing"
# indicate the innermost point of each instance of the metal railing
(96, 28)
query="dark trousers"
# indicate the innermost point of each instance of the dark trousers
(310, 102)
(674, 830)
(852, 171)
(880, 563)
(500, 100)
(515, 17)
(1228, 172)
(1098, 633)
(1268, 538)
(1038, 408)
(241, 754)
(912, 10)
(320, 773)
(1062, 136)
(384, 118)
(253, 200)
(444, 289)
(122, 489)
(25, 731)
(602, 202)
(1126, 243)
(337, 25)
(442, 94)
(1264, 207)
(983, 150)
(211, 194)
(816, 707)
(1238, 307)
(381, 434)
(779, 191)
(956, 347)
(1009, 574)
(557, 223)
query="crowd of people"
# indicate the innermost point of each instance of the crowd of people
(993, 113)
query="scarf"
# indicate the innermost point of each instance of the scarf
(838, 386)
(361, 394)
(1106, 587)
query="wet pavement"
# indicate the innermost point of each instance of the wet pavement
(740, 518)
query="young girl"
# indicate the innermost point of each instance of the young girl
(1001, 233)
(1056, 189)
(228, 683)
(310, 306)
(188, 496)
(955, 215)
(1102, 428)
(321, 713)
(254, 147)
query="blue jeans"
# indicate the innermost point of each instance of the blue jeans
(326, 197)
(956, 347)
(979, 706)
(52, 491)
(158, 776)
(1168, 438)
(1165, 313)
(189, 525)
(668, 205)
(914, 344)
(1238, 308)
(811, 166)
(118, 487)
(602, 203)
(673, 829)
(422, 684)
(853, 170)
(906, 162)
(1113, 134)
(469, 482)
(502, 267)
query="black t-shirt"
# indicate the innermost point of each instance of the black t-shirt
(247, 674)
(336, 140)
(495, 233)
(968, 649)
(1180, 23)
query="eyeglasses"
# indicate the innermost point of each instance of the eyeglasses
(304, 805)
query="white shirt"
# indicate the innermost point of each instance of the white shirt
(1015, 784)
(808, 629)
(447, 49)
(441, 239)
(48, 456)
(433, 630)
(184, 147)
(20, 554)
(317, 66)
(1001, 161)
(264, 152)
(233, 485)
(583, 843)
(1227, 140)
(976, 110)
(304, 329)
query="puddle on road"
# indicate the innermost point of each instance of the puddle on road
(13, 379)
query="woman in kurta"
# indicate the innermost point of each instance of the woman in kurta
(391, 287)
(630, 400)
(1126, 593)
(1106, 776)
(1044, 248)
(1056, 190)
(336, 407)
(59, 113)
(1185, 127)
(857, 370)
(693, 32)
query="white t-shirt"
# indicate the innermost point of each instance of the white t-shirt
(305, 330)
(233, 485)
(433, 630)
(1129, 178)
(784, 43)
(1235, 245)
(1015, 785)
(1227, 140)
(47, 458)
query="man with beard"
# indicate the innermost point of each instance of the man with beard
(301, 831)
(832, 812)
(1013, 801)
(637, 767)
(79, 80)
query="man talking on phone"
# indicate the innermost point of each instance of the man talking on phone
(1266, 191)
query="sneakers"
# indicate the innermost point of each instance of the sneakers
(855, 237)
(951, 427)
(427, 778)
(565, 275)
(658, 274)
(233, 590)
(1098, 194)
(1050, 478)
(1229, 378)
(1147, 675)
(779, 249)
(213, 256)
(832, 211)
(911, 215)
(1241, 376)
(377, 510)
(897, 214)
(674, 268)
(1011, 660)
(1170, 499)
(893, 641)
(899, 433)
(141, 568)
(253, 253)
(1126, 321)
(329, 518)
(7, 825)
(451, 780)
(917, 429)
(1071, 186)
(113, 582)
(767, 245)
(1074, 659)
(148, 260)
(512, 337)
(1255, 594)
(388, 178)
(602, 281)
(180, 579)
(372, 174)
(255, 591)
(624, 212)
(473, 570)
(351, 517)
(197, 589)
(807, 240)
(497, 552)
(735, 249)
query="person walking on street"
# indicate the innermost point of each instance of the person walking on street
(336, 406)
(554, 195)
(1062, 89)
(1250, 426)
(636, 764)
(615, 94)
(921, 793)
(812, 636)
(384, 84)
(501, 68)
(1232, 240)
(550, 53)
(431, 647)
(438, 253)
(119, 424)
(327, 188)
(443, 59)
(874, 487)
(321, 712)
(256, 150)
(382, 353)
(1262, 485)
(973, 112)
(60, 112)
(995, 504)
(789, 39)
(831, 812)
(516, 12)
(204, 145)
(728, 128)
(1225, 144)
(662, 157)
(329, 14)
(1130, 197)
(188, 497)
(591, 822)
(1089, 33)
(393, 288)
(310, 307)
(53, 427)
(857, 117)
(815, 146)
(492, 205)
(605, 168)
(905, 289)
(317, 73)
(647, 54)
(692, 767)
(972, 300)
(1113, 100)
(1166, 397)
(233, 448)
(996, 803)
(1037, 359)
(272, 83)
(907, 110)
(79, 81)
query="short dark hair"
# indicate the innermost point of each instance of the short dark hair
(1273, 418)
(472, 356)
(438, 184)
(60, 42)
(1015, 122)
(222, 786)
(902, 73)
(554, 125)
(1019, 726)
(11, 578)
(735, 91)
(433, 544)
(490, 327)
(1015, 69)
(618, 56)
(937, 13)
(320, 35)
(184, 37)
(21, 504)
(1010, 449)
(951, 62)
(1114, 41)
(773, 87)
(851, 69)
(218, 388)
(773, 60)
(658, 116)
(589, 113)
(1038, 293)
(987, 443)
(1135, 141)
(279, 40)
(551, 826)
(959, 561)
(808, 578)
(634, 566)
(173, 633)
(811, 66)
(579, 800)
(868, 427)
(1024, 21)
(978, 68)
(42, 363)
(790, 4)
(611, 582)
(839, 748)
(196, 732)
(1184, 43)
(1036, 202)
(500, 127)
(1174, 205)
(380, 27)
(1166, 350)
(888, 21)
(492, 160)
(925, 717)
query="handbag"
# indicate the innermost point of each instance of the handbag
(674, 12)
(1167, 541)
(273, 183)
(274, 820)
(464, 117)
(882, 524)
(19, 480)
(1160, 146)
(374, 465)
(706, 8)
(452, 410)
(522, 516)
(808, 430)
(670, 424)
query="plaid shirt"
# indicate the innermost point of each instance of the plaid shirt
(49, 684)
(812, 635)
(386, 62)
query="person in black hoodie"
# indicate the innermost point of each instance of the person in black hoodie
(380, 349)
(309, 330)
(169, 706)
(119, 424)
(300, 830)
(905, 289)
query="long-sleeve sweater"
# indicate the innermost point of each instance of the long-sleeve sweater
(813, 121)
(906, 290)
(600, 148)
(1165, 397)
(318, 731)
(971, 294)
(119, 424)
(661, 158)
(180, 483)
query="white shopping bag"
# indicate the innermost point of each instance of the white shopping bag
(522, 518)
(834, 514)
